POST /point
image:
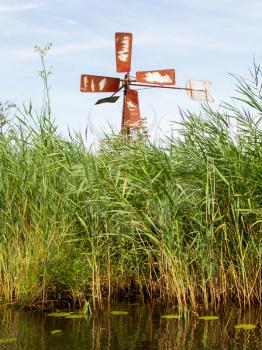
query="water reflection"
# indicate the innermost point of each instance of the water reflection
(142, 328)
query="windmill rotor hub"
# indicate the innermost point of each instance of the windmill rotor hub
(126, 81)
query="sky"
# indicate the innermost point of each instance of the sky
(200, 39)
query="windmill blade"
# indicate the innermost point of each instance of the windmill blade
(123, 43)
(96, 83)
(198, 90)
(131, 109)
(111, 99)
(160, 77)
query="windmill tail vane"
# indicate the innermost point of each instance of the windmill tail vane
(165, 78)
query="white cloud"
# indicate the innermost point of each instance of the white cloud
(70, 21)
(67, 20)
(18, 8)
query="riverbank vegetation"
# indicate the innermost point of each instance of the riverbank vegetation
(178, 223)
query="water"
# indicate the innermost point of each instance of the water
(142, 328)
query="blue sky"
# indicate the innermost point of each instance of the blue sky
(201, 39)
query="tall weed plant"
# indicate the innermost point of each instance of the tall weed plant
(180, 223)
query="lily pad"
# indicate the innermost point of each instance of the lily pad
(75, 316)
(60, 314)
(209, 318)
(119, 312)
(170, 316)
(56, 331)
(8, 340)
(245, 326)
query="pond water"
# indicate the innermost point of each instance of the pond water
(142, 327)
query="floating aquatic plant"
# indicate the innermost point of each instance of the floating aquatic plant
(119, 312)
(59, 314)
(208, 318)
(170, 316)
(245, 326)
(75, 316)
(56, 331)
(8, 340)
(66, 315)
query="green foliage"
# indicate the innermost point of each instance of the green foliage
(87, 309)
(5, 108)
(181, 222)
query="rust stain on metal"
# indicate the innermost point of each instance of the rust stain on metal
(160, 77)
(132, 111)
(123, 45)
(96, 83)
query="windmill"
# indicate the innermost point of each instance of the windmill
(164, 78)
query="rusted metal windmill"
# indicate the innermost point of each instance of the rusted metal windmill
(164, 78)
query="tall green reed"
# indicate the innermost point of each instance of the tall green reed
(180, 223)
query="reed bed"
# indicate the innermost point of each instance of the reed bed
(179, 223)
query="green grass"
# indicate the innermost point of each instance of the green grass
(180, 223)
